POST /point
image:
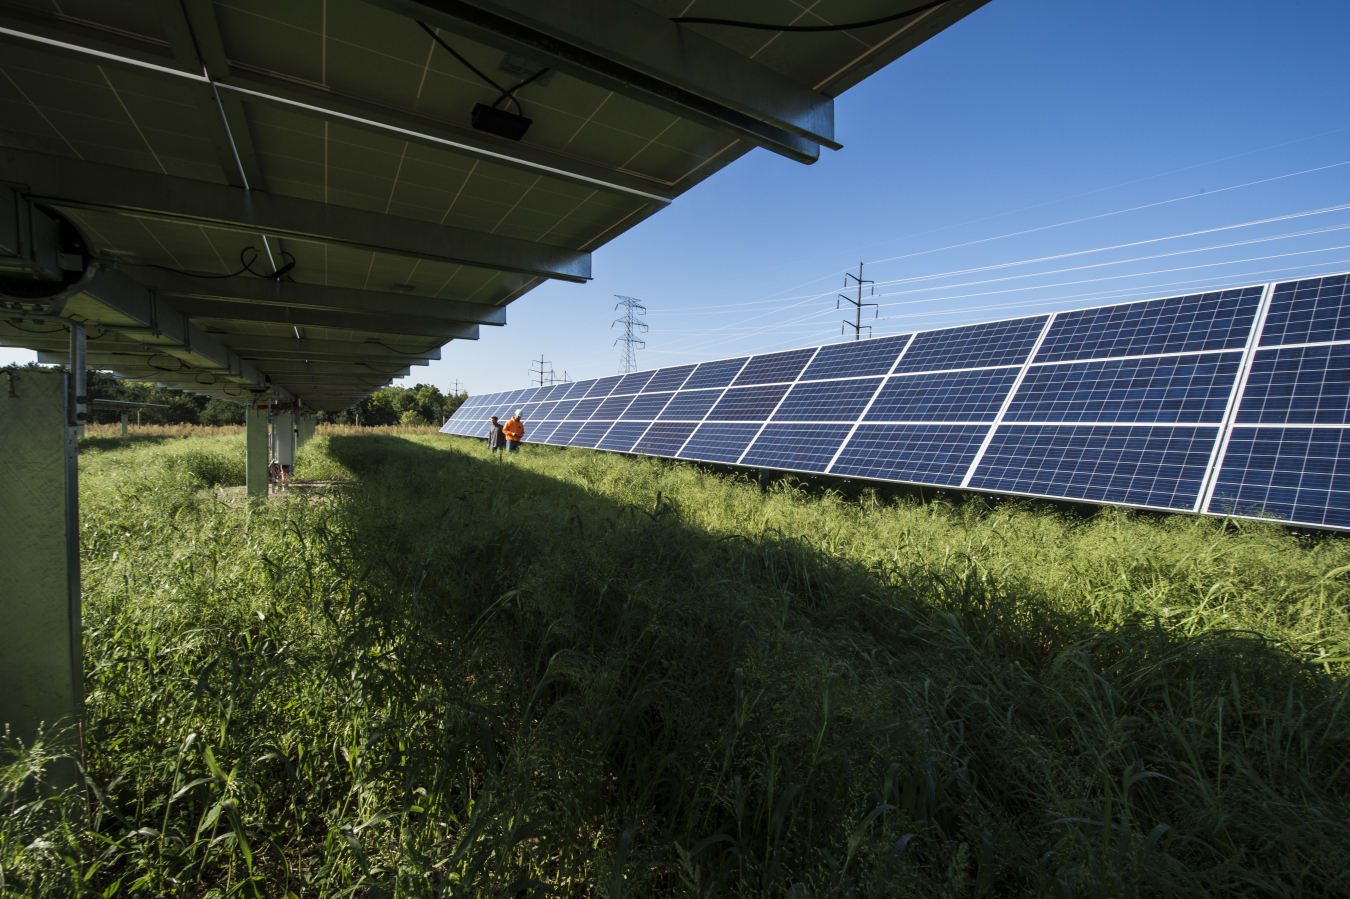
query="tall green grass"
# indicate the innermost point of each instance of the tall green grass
(570, 673)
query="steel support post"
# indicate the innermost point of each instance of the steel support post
(41, 666)
(255, 452)
(285, 442)
(126, 419)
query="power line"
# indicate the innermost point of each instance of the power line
(632, 308)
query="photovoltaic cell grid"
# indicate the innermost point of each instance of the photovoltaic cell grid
(1123, 404)
(1296, 474)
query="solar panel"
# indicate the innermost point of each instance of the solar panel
(622, 436)
(827, 400)
(1172, 403)
(1155, 466)
(584, 409)
(1210, 321)
(973, 346)
(690, 406)
(944, 396)
(633, 382)
(1296, 474)
(591, 433)
(646, 407)
(541, 432)
(564, 433)
(747, 403)
(774, 368)
(1298, 385)
(564, 409)
(919, 454)
(604, 386)
(714, 374)
(856, 359)
(1309, 311)
(717, 442)
(796, 447)
(669, 378)
(1153, 389)
(665, 438)
(612, 408)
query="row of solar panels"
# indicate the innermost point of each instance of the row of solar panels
(1230, 402)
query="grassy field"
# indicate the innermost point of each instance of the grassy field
(571, 673)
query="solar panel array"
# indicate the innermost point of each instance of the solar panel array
(1228, 402)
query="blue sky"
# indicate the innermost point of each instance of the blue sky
(1170, 147)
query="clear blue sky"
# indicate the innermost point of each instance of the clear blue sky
(1051, 117)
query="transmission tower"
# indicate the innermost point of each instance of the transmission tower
(857, 324)
(632, 308)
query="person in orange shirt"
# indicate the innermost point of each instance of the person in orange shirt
(515, 432)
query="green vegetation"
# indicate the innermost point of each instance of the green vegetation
(573, 673)
(416, 406)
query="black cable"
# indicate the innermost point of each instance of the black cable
(695, 20)
(403, 352)
(512, 91)
(14, 323)
(472, 68)
(247, 266)
(380, 371)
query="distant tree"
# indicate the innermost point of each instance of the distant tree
(398, 405)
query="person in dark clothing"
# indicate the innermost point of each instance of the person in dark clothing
(496, 439)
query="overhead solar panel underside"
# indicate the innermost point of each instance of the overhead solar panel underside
(1233, 402)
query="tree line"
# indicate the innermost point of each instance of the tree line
(416, 406)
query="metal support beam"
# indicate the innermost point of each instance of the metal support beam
(41, 667)
(60, 37)
(223, 310)
(335, 350)
(126, 421)
(127, 298)
(76, 184)
(641, 54)
(194, 37)
(255, 452)
(265, 291)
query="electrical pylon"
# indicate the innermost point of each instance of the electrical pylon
(632, 308)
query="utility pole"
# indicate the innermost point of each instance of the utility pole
(858, 304)
(541, 371)
(632, 308)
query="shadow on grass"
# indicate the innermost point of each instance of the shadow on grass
(603, 695)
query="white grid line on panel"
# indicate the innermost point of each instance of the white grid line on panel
(1216, 457)
(749, 443)
(1007, 400)
(710, 408)
(1299, 346)
(1132, 358)
(1291, 427)
(881, 385)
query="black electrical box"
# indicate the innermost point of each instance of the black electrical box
(500, 122)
